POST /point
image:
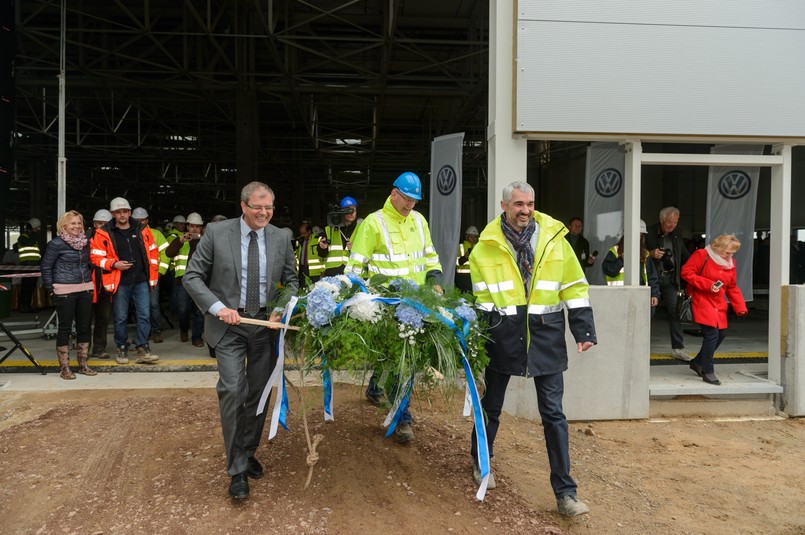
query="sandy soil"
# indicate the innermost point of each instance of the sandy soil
(111, 462)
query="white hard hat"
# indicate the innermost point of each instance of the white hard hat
(194, 219)
(102, 215)
(643, 227)
(471, 230)
(139, 213)
(34, 223)
(119, 203)
(179, 219)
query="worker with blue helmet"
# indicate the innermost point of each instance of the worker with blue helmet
(335, 245)
(395, 241)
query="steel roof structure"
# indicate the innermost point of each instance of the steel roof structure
(176, 104)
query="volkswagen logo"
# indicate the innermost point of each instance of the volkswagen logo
(608, 182)
(446, 180)
(734, 184)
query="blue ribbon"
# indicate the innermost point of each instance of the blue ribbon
(400, 409)
(327, 382)
(284, 406)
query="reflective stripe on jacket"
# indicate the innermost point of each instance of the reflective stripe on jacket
(28, 250)
(102, 254)
(162, 244)
(528, 332)
(463, 249)
(390, 244)
(337, 255)
(315, 264)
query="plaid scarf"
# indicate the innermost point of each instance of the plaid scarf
(521, 241)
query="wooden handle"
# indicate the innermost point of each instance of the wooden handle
(267, 323)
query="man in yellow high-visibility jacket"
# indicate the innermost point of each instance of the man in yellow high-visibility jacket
(29, 255)
(463, 281)
(524, 274)
(395, 241)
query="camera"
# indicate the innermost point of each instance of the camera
(319, 233)
(336, 217)
(667, 252)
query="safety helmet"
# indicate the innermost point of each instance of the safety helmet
(194, 219)
(139, 213)
(179, 219)
(119, 203)
(471, 230)
(34, 223)
(102, 215)
(347, 201)
(643, 229)
(217, 218)
(409, 184)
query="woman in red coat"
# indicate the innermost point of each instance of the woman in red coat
(710, 274)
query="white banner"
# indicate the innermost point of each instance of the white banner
(731, 200)
(603, 203)
(445, 200)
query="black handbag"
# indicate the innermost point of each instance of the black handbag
(684, 307)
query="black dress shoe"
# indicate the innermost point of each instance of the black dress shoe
(255, 469)
(697, 369)
(239, 488)
(711, 378)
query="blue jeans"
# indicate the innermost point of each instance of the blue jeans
(139, 294)
(550, 389)
(185, 309)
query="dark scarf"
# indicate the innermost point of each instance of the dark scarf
(521, 241)
(76, 242)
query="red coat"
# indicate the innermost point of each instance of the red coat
(710, 308)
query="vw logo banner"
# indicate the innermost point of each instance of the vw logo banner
(603, 203)
(731, 200)
(445, 200)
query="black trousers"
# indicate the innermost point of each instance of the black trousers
(27, 288)
(102, 309)
(74, 307)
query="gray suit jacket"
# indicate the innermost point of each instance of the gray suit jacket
(213, 273)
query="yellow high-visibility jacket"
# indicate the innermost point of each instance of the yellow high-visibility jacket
(528, 330)
(395, 246)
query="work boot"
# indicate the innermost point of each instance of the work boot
(571, 506)
(157, 337)
(83, 355)
(183, 336)
(403, 433)
(476, 475)
(122, 355)
(64, 362)
(144, 355)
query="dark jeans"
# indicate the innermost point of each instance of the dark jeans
(102, 308)
(711, 339)
(74, 307)
(550, 389)
(187, 309)
(375, 389)
(138, 294)
(27, 288)
(246, 358)
(668, 297)
(156, 316)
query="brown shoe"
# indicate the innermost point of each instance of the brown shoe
(158, 338)
(198, 343)
(183, 336)
(144, 356)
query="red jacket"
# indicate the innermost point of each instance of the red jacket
(710, 308)
(102, 254)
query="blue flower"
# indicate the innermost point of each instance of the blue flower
(320, 307)
(332, 280)
(409, 316)
(399, 285)
(466, 313)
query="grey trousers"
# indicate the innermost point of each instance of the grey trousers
(246, 357)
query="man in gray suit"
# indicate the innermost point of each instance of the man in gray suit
(221, 283)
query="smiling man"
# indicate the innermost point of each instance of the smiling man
(232, 274)
(524, 275)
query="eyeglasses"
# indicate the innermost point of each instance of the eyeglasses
(267, 208)
(405, 198)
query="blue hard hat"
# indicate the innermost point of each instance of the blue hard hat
(409, 184)
(348, 201)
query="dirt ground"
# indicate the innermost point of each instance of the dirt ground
(130, 462)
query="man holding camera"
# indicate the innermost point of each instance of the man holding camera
(309, 265)
(668, 252)
(335, 245)
(181, 249)
(126, 252)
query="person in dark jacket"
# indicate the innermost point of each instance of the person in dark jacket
(29, 255)
(668, 252)
(67, 277)
(613, 267)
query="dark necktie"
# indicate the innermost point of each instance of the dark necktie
(253, 276)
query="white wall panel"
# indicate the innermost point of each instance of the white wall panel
(627, 67)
